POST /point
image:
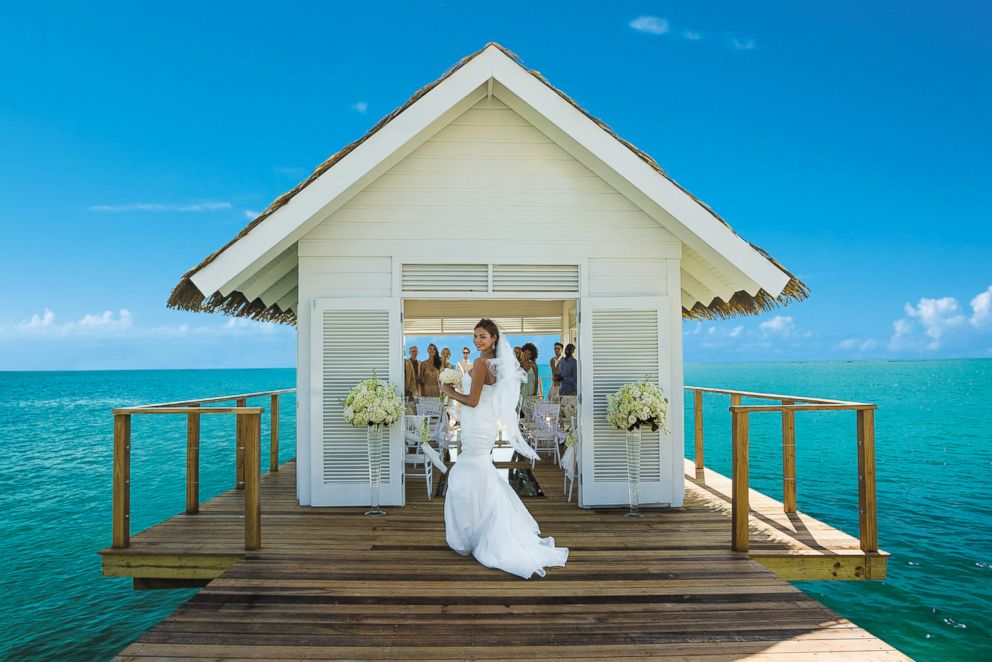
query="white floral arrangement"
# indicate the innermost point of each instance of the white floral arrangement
(372, 402)
(570, 438)
(638, 404)
(448, 377)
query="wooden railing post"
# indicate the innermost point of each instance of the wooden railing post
(192, 462)
(868, 517)
(239, 448)
(698, 419)
(252, 427)
(735, 401)
(274, 434)
(788, 458)
(122, 481)
(740, 506)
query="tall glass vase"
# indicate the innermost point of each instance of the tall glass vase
(633, 470)
(374, 439)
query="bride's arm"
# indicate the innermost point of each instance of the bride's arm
(479, 371)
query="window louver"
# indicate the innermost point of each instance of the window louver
(445, 277)
(535, 278)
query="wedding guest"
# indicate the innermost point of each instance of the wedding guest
(555, 379)
(411, 371)
(528, 354)
(516, 352)
(429, 370)
(466, 363)
(445, 358)
(568, 370)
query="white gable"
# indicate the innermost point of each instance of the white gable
(567, 148)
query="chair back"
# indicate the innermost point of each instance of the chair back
(428, 405)
(546, 415)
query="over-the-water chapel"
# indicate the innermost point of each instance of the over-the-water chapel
(559, 227)
(617, 254)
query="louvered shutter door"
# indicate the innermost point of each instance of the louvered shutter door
(621, 341)
(350, 338)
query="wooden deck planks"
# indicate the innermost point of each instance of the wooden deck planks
(330, 584)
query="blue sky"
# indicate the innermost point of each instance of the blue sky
(848, 139)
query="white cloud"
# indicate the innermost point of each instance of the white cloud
(650, 24)
(251, 214)
(90, 325)
(933, 316)
(981, 309)
(360, 106)
(45, 321)
(742, 44)
(736, 331)
(121, 325)
(692, 35)
(780, 324)
(154, 206)
(936, 316)
(860, 344)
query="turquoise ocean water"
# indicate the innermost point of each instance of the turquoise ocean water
(934, 457)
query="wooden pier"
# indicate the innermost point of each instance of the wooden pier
(284, 581)
(330, 583)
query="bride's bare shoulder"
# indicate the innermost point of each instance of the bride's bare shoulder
(487, 367)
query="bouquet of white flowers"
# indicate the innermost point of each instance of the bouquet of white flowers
(570, 439)
(634, 405)
(448, 377)
(372, 402)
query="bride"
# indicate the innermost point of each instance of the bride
(483, 516)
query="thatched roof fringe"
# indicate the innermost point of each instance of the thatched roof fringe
(742, 303)
(185, 296)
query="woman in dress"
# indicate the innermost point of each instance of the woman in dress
(528, 356)
(483, 516)
(445, 359)
(429, 370)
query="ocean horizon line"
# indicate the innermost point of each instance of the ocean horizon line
(685, 363)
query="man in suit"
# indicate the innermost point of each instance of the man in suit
(412, 375)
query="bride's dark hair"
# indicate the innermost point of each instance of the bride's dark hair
(491, 328)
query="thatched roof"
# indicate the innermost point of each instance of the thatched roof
(186, 296)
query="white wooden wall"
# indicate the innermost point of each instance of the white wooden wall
(487, 186)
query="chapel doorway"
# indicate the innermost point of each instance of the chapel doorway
(432, 326)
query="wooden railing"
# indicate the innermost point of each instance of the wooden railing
(788, 405)
(248, 432)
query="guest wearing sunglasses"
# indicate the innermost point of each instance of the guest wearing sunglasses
(466, 363)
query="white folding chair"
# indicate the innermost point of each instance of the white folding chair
(414, 455)
(544, 433)
(427, 473)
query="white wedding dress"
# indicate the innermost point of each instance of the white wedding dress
(483, 516)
